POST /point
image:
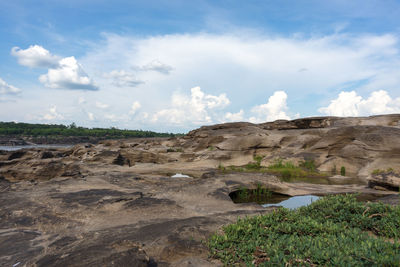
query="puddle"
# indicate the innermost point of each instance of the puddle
(180, 175)
(294, 202)
(268, 198)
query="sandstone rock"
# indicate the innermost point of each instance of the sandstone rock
(388, 180)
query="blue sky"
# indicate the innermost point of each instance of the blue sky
(177, 65)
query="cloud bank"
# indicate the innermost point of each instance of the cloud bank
(245, 77)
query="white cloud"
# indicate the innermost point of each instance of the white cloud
(158, 66)
(35, 56)
(264, 63)
(53, 114)
(69, 74)
(135, 106)
(7, 89)
(351, 104)
(123, 78)
(193, 110)
(101, 105)
(234, 117)
(274, 109)
(248, 67)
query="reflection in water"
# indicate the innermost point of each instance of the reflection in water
(268, 198)
(295, 202)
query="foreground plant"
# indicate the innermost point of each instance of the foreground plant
(333, 231)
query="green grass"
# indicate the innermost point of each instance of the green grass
(288, 170)
(332, 231)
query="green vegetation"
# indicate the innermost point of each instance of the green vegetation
(35, 130)
(284, 169)
(379, 171)
(332, 231)
(343, 171)
(308, 165)
(259, 195)
(254, 165)
(288, 170)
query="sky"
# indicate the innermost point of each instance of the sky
(176, 65)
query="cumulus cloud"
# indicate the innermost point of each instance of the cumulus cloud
(135, 106)
(274, 109)
(122, 78)
(101, 105)
(53, 114)
(7, 89)
(65, 73)
(35, 56)
(69, 74)
(351, 104)
(158, 66)
(193, 110)
(234, 117)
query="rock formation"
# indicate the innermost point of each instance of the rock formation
(115, 204)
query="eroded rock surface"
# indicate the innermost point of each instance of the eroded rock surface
(115, 203)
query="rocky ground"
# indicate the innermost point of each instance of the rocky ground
(115, 203)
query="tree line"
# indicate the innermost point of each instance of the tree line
(35, 130)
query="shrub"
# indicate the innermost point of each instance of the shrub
(329, 232)
(343, 171)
